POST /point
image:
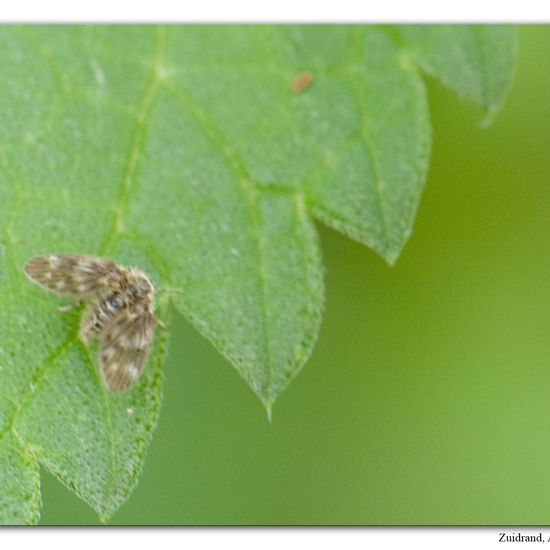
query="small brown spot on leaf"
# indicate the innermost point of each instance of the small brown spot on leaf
(302, 82)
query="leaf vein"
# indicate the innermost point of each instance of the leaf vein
(129, 177)
(250, 192)
(366, 140)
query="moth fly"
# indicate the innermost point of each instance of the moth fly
(120, 312)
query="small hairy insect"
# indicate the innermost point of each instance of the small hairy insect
(302, 82)
(120, 314)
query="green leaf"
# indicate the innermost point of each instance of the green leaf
(192, 153)
(19, 482)
(477, 61)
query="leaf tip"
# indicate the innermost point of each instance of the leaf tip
(268, 409)
(104, 518)
(490, 114)
(391, 256)
(106, 513)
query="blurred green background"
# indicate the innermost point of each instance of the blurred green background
(427, 398)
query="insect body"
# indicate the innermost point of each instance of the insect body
(120, 314)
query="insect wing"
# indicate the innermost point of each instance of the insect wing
(125, 346)
(75, 275)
